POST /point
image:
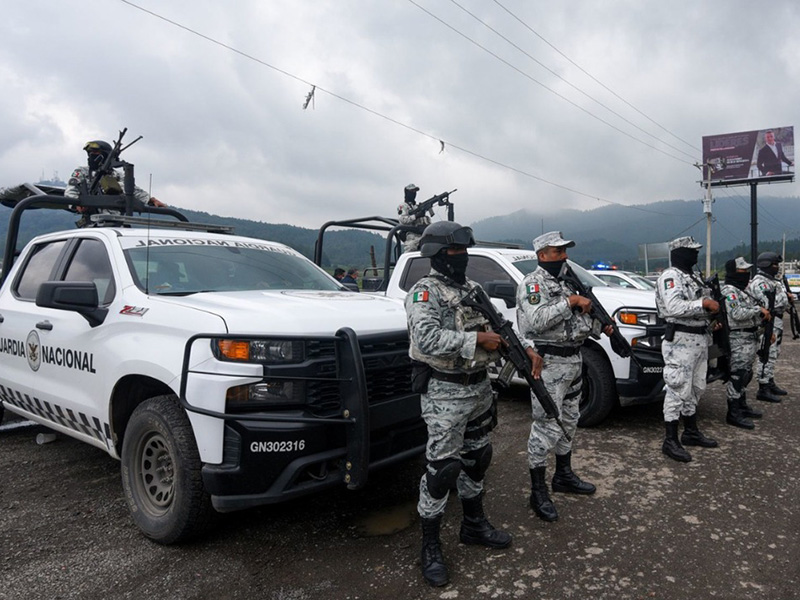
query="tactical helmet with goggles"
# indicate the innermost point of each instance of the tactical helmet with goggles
(767, 259)
(97, 147)
(444, 234)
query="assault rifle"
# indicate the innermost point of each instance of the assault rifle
(618, 343)
(427, 206)
(111, 161)
(794, 321)
(720, 329)
(513, 351)
(769, 326)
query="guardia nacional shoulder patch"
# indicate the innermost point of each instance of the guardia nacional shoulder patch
(669, 284)
(420, 296)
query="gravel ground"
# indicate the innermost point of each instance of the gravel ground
(723, 526)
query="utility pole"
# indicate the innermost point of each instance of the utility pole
(707, 202)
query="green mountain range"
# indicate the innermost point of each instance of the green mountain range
(609, 233)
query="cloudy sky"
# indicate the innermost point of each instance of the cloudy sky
(540, 105)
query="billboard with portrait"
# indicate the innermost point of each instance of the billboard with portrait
(739, 158)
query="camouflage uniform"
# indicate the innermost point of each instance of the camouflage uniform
(459, 416)
(110, 184)
(758, 287)
(547, 322)
(679, 300)
(744, 317)
(412, 239)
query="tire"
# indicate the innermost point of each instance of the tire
(599, 395)
(161, 473)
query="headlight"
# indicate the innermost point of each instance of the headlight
(265, 393)
(636, 318)
(267, 351)
(651, 342)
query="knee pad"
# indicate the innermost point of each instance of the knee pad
(481, 459)
(442, 476)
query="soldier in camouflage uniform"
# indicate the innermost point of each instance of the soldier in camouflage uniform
(684, 302)
(554, 319)
(766, 280)
(744, 317)
(406, 218)
(97, 151)
(452, 345)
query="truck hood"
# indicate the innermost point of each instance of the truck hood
(298, 311)
(614, 297)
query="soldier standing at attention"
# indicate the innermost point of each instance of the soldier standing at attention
(682, 300)
(765, 281)
(744, 317)
(452, 346)
(554, 319)
(406, 217)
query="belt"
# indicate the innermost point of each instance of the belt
(557, 350)
(689, 329)
(753, 329)
(462, 378)
(778, 314)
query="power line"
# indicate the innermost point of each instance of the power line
(576, 88)
(537, 82)
(593, 78)
(438, 139)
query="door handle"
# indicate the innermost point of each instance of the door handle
(46, 325)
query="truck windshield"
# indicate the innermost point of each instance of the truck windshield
(181, 270)
(528, 265)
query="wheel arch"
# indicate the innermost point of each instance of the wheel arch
(129, 393)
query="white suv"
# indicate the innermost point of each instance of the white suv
(626, 279)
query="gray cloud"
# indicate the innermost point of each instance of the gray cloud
(226, 134)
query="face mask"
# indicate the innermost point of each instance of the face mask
(453, 266)
(771, 270)
(739, 280)
(552, 266)
(684, 258)
(95, 161)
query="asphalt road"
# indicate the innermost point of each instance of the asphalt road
(723, 526)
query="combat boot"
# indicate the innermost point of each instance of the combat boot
(672, 447)
(747, 410)
(778, 391)
(540, 499)
(565, 480)
(692, 436)
(736, 416)
(433, 568)
(476, 529)
(765, 394)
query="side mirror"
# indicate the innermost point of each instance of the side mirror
(76, 296)
(504, 290)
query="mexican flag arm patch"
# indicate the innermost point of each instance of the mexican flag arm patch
(420, 296)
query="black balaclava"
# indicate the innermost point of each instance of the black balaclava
(410, 196)
(734, 277)
(684, 258)
(771, 270)
(552, 266)
(453, 266)
(96, 161)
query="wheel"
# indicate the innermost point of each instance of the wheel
(599, 394)
(161, 473)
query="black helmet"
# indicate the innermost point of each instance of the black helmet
(444, 234)
(97, 152)
(98, 146)
(767, 259)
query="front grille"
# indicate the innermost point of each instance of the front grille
(387, 368)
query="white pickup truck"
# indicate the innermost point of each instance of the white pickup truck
(609, 379)
(223, 371)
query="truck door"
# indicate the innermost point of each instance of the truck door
(21, 324)
(71, 372)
